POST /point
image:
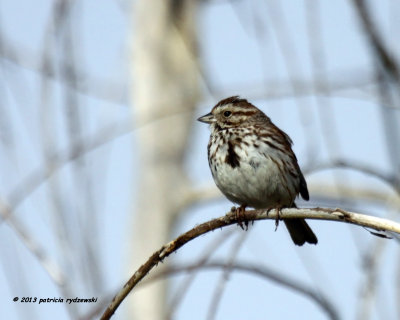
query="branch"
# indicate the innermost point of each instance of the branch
(383, 54)
(229, 219)
(227, 270)
(370, 285)
(51, 267)
(389, 179)
(203, 259)
(260, 271)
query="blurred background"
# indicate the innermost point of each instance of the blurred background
(102, 159)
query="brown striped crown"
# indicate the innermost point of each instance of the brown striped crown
(234, 111)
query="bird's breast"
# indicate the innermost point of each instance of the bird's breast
(248, 171)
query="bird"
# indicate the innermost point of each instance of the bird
(253, 164)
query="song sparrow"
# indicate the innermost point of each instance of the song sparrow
(253, 164)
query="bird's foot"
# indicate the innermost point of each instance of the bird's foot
(241, 216)
(278, 214)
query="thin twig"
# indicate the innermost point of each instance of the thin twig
(369, 287)
(386, 58)
(221, 285)
(390, 179)
(184, 287)
(51, 267)
(263, 272)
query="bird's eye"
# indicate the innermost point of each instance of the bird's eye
(227, 114)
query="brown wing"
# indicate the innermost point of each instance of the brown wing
(303, 187)
(287, 142)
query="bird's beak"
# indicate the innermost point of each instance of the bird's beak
(207, 118)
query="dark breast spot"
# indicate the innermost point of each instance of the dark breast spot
(232, 158)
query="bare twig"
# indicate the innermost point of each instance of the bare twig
(59, 159)
(390, 179)
(263, 272)
(229, 219)
(50, 265)
(184, 287)
(387, 60)
(322, 192)
(221, 285)
(286, 45)
(369, 288)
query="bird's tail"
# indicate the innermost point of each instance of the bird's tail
(300, 231)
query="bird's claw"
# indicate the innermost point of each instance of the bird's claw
(241, 217)
(278, 216)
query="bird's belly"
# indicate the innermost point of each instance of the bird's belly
(256, 182)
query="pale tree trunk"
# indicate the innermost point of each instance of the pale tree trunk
(165, 92)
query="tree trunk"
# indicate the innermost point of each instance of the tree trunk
(165, 92)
